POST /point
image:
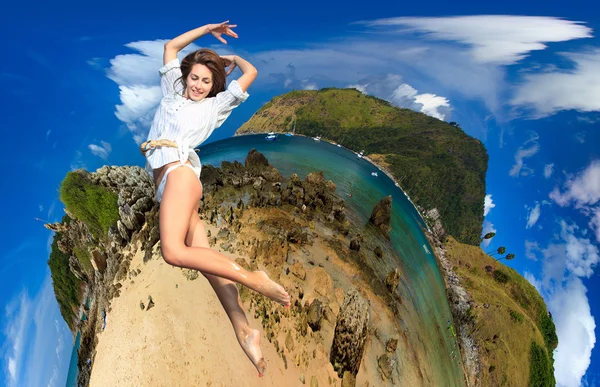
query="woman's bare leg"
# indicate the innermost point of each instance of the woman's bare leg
(180, 198)
(227, 293)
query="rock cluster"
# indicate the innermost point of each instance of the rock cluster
(232, 196)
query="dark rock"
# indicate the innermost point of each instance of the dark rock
(355, 242)
(256, 159)
(223, 233)
(392, 280)
(386, 365)
(391, 345)
(381, 215)
(150, 303)
(98, 260)
(315, 178)
(315, 314)
(350, 334)
(378, 252)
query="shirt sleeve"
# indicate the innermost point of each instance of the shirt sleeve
(168, 75)
(228, 100)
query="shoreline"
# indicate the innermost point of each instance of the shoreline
(459, 303)
(365, 157)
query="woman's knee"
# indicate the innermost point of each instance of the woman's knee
(172, 253)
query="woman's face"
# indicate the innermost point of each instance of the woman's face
(198, 83)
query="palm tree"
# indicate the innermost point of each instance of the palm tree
(508, 257)
(501, 250)
(489, 235)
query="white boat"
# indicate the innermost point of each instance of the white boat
(318, 138)
(339, 146)
(360, 155)
(374, 174)
(271, 136)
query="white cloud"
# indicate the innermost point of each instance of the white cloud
(530, 249)
(78, 162)
(595, 222)
(487, 228)
(575, 330)
(48, 134)
(519, 168)
(138, 105)
(534, 281)
(405, 91)
(548, 170)
(497, 39)
(580, 137)
(431, 103)
(546, 93)
(361, 88)
(533, 216)
(565, 261)
(582, 189)
(582, 255)
(102, 150)
(310, 86)
(17, 320)
(34, 345)
(488, 204)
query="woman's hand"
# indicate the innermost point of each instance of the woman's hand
(229, 62)
(222, 28)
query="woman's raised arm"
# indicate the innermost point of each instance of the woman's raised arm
(173, 46)
(249, 72)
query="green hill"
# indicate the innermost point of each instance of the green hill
(436, 163)
(510, 322)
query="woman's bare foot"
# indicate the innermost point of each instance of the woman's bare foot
(271, 289)
(251, 346)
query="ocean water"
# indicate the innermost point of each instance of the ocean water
(73, 371)
(422, 286)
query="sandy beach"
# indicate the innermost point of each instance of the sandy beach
(186, 338)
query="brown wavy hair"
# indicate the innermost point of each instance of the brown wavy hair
(210, 59)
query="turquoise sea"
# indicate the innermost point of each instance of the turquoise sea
(73, 371)
(422, 287)
(426, 312)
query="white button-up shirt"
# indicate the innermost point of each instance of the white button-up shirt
(186, 122)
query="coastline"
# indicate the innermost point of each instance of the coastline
(460, 303)
(377, 165)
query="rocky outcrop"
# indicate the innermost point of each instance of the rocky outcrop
(98, 260)
(381, 215)
(350, 334)
(433, 218)
(355, 242)
(392, 280)
(107, 266)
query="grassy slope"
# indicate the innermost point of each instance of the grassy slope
(436, 163)
(505, 343)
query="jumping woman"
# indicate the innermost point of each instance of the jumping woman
(195, 103)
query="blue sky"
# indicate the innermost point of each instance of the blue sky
(79, 85)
